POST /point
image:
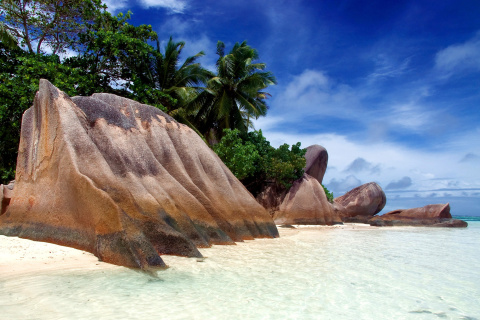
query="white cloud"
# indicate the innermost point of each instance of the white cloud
(428, 171)
(314, 93)
(460, 57)
(411, 116)
(176, 6)
(114, 6)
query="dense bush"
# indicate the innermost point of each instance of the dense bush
(256, 163)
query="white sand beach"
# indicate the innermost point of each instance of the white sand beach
(18, 256)
(336, 272)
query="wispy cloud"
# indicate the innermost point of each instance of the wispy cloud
(313, 93)
(463, 57)
(175, 6)
(172, 6)
(386, 68)
(181, 30)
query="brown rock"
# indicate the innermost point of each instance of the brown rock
(306, 203)
(432, 215)
(317, 160)
(365, 200)
(441, 211)
(6, 194)
(271, 198)
(124, 181)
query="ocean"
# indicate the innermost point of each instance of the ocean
(308, 273)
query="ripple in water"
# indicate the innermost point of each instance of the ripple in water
(396, 273)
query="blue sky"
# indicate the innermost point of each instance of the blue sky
(390, 88)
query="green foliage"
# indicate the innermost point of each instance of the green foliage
(285, 165)
(256, 163)
(6, 37)
(235, 95)
(48, 23)
(20, 73)
(328, 194)
(239, 156)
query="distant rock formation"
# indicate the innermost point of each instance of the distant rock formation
(124, 181)
(433, 215)
(6, 194)
(316, 162)
(361, 203)
(306, 203)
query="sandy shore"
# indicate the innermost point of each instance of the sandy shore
(19, 256)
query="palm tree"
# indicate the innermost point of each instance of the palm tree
(7, 38)
(235, 95)
(182, 82)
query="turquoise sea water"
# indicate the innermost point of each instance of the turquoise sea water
(312, 273)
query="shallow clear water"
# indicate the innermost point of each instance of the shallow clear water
(384, 273)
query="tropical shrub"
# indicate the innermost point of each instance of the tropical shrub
(256, 163)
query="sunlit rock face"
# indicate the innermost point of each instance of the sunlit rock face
(306, 203)
(124, 181)
(432, 215)
(362, 202)
(316, 161)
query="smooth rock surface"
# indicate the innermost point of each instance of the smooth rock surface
(306, 203)
(316, 162)
(441, 211)
(432, 215)
(124, 181)
(365, 200)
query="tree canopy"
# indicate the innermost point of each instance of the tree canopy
(256, 163)
(52, 24)
(6, 37)
(235, 94)
(108, 54)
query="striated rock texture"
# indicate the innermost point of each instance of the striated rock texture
(366, 200)
(432, 215)
(6, 194)
(317, 160)
(271, 198)
(124, 181)
(306, 203)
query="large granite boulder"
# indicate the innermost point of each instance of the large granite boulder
(361, 203)
(306, 203)
(432, 215)
(124, 181)
(6, 194)
(316, 162)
